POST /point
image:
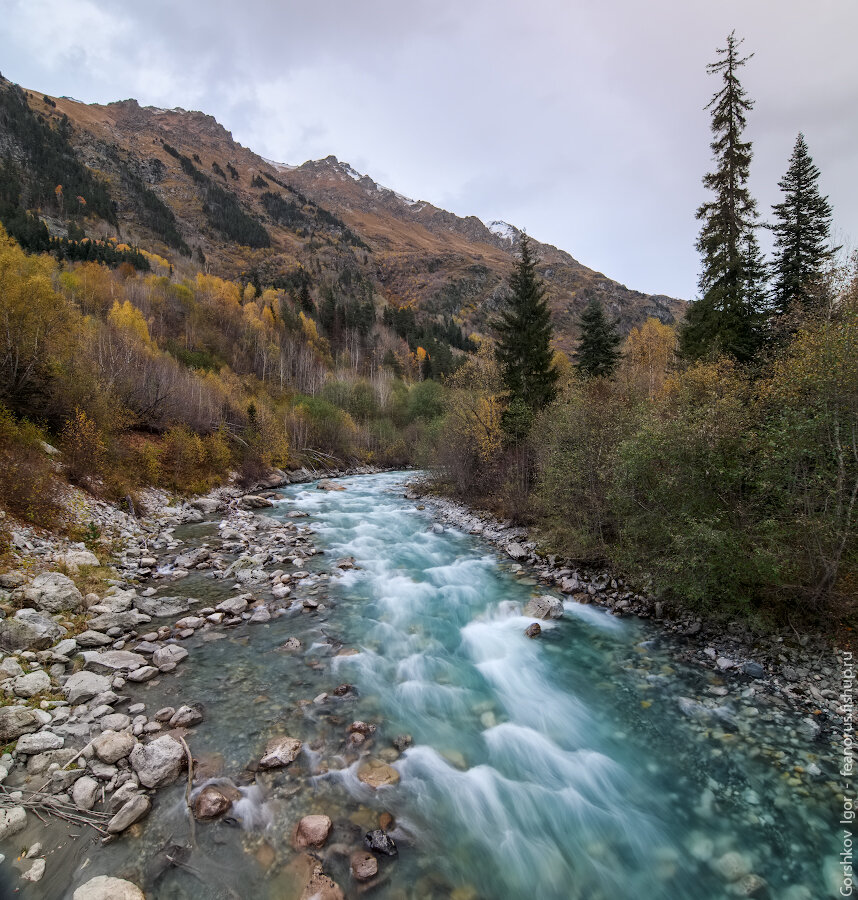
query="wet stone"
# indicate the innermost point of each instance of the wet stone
(379, 841)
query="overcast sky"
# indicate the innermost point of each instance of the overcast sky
(579, 120)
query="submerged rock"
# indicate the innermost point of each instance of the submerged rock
(377, 774)
(211, 803)
(364, 866)
(280, 752)
(380, 842)
(312, 831)
(533, 630)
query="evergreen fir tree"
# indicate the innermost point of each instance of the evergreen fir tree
(598, 353)
(524, 334)
(802, 233)
(727, 317)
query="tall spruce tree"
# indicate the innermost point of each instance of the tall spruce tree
(598, 353)
(728, 316)
(802, 230)
(523, 350)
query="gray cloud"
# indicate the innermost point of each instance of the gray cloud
(583, 122)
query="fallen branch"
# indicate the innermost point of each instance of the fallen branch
(192, 822)
(41, 803)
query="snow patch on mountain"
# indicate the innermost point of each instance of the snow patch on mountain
(503, 230)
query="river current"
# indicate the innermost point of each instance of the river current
(565, 767)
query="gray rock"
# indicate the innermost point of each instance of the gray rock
(132, 811)
(252, 501)
(73, 560)
(31, 684)
(83, 686)
(115, 722)
(163, 607)
(233, 606)
(43, 761)
(93, 639)
(39, 742)
(158, 762)
(36, 871)
(10, 668)
(192, 558)
(109, 661)
(12, 821)
(754, 669)
(280, 752)
(144, 673)
(104, 887)
(53, 592)
(172, 653)
(260, 616)
(111, 746)
(124, 621)
(185, 717)
(29, 630)
(85, 791)
(17, 720)
(67, 647)
(544, 607)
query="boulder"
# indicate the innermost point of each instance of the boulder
(260, 616)
(171, 654)
(40, 763)
(515, 550)
(39, 742)
(363, 865)
(10, 668)
(125, 621)
(159, 762)
(234, 605)
(84, 686)
(73, 560)
(133, 810)
(111, 746)
(29, 630)
(103, 887)
(17, 720)
(206, 505)
(544, 607)
(85, 791)
(12, 821)
(144, 673)
(108, 662)
(327, 485)
(191, 558)
(377, 774)
(162, 607)
(312, 831)
(93, 639)
(31, 684)
(185, 717)
(279, 752)
(210, 803)
(380, 842)
(53, 592)
(252, 501)
(115, 722)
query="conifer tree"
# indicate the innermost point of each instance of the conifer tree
(524, 332)
(802, 230)
(727, 317)
(598, 353)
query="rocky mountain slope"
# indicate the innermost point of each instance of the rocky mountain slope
(185, 189)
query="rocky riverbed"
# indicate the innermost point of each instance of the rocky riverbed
(117, 701)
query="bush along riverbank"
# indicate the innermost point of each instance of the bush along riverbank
(798, 670)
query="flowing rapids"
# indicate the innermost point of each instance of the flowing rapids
(562, 767)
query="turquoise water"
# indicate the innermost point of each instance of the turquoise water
(560, 767)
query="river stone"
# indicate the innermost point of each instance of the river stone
(53, 592)
(377, 774)
(185, 717)
(206, 505)
(515, 550)
(260, 616)
(103, 887)
(93, 639)
(31, 684)
(39, 742)
(731, 866)
(124, 621)
(83, 686)
(191, 558)
(110, 661)
(190, 622)
(280, 752)
(159, 762)
(162, 607)
(754, 669)
(10, 668)
(84, 792)
(120, 601)
(35, 872)
(41, 762)
(29, 630)
(252, 501)
(233, 606)
(172, 653)
(312, 831)
(327, 485)
(111, 746)
(306, 870)
(380, 842)
(544, 607)
(12, 821)
(133, 810)
(144, 673)
(363, 865)
(17, 720)
(533, 630)
(115, 722)
(210, 803)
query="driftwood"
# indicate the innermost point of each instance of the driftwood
(46, 803)
(191, 820)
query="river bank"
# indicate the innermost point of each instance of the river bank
(335, 662)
